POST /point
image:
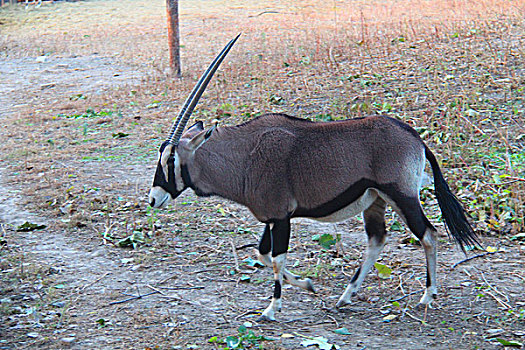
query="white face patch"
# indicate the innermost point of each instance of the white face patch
(159, 197)
(164, 157)
(178, 175)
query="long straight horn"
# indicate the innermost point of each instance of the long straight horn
(193, 98)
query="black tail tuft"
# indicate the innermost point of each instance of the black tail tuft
(452, 210)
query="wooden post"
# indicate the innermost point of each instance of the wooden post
(172, 7)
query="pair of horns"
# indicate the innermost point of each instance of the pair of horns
(196, 93)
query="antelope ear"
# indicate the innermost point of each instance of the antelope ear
(199, 139)
(197, 127)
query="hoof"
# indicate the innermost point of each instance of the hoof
(423, 307)
(341, 303)
(427, 299)
(265, 318)
(310, 286)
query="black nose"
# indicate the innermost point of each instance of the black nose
(152, 203)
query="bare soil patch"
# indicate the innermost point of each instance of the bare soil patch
(81, 124)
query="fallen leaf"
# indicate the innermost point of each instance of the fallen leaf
(245, 278)
(343, 331)
(321, 342)
(253, 263)
(389, 318)
(509, 342)
(120, 135)
(29, 226)
(383, 271)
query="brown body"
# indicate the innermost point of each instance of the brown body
(282, 167)
(277, 164)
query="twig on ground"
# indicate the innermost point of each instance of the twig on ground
(235, 257)
(344, 273)
(202, 271)
(494, 288)
(95, 281)
(501, 302)
(182, 288)
(168, 278)
(415, 318)
(333, 319)
(132, 298)
(407, 295)
(263, 13)
(250, 245)
(155, 289)
(293, 320)
(470, 258)
(179, 298)
(249, 312)
(517, 275)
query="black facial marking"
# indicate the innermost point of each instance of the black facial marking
(277, 290)
(186, 176)
(160, 179)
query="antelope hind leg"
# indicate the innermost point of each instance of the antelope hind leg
(288, 277)
(429, 244)
(374, 218)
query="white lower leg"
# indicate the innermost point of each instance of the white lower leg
(278, 263)
(374, 248)
(429, 244)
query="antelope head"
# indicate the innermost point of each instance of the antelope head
(168, 182)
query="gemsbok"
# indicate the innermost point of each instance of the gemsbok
(281, 167)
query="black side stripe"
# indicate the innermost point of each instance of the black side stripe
(410, 206)
(344, 199)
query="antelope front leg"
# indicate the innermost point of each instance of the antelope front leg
(280, 237)
(275, 305)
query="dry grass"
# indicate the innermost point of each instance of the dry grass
(453, 69)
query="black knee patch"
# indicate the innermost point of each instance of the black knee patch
(265, 244)
(280, 236)
(356, 275)
(277, 290)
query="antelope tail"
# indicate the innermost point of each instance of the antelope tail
(453, 212)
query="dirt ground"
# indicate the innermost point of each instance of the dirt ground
(189, 283)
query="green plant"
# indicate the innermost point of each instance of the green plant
(326, 240)
(152, 214)
(90, 113)
(244, 339)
